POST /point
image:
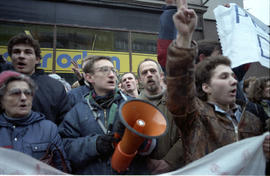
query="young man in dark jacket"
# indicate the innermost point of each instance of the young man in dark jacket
(88, 128)
(212, 119)
(50, 98)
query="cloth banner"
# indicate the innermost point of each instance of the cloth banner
(244, 39)
(240, 158)
(16, 163)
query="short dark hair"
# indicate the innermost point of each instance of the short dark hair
(204, 70)
(125, 74)
(145, 60)
(207, 47)
(23, 38)
(89, 66)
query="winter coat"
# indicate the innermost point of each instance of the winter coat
(80, 131)
(77, 95)
(31, 135)
(169, 147)
(203, 128)
(50, 98)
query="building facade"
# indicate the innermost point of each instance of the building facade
(126, 30)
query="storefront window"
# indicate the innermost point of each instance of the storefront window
(91, 39)
(42, 33)
(144, 43)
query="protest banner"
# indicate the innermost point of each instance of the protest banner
(245, 157)
(242, 37)
(16, 163)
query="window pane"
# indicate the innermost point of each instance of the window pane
(42, 33)
(144, 43)
(91, 39)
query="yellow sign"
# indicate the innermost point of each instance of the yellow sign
(64, 57)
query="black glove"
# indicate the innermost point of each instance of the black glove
(120, 128)
(104, 144)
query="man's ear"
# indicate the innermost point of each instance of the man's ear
(206, 88)
(37, 60)
(89, 78)
(201, 57)
(137, 83)
(162, 75)
(139, 79)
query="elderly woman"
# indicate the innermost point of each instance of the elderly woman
(22, 129)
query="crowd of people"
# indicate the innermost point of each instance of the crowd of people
(207, 104)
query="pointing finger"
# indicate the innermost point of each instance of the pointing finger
(181, 3)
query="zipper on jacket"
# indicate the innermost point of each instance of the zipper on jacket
(236, 127)
(236, 133)
(105, 118)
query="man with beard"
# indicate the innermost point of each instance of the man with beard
(129, 84)
(168, 152)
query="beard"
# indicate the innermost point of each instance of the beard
(152, 88)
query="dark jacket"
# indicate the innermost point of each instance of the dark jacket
(203, 129)
(5, 66)
(50, 98)
(80, 130)
(31, 135)
(77, 95)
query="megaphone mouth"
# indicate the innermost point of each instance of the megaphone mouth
(137, 111)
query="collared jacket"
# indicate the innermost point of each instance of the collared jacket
(50, 97)
(80, 131)
(203, 129)
(169, 147)
(31, 135)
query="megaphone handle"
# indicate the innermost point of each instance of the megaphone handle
(116, 136)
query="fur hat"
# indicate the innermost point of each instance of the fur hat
(5, 75)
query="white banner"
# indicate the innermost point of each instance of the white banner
(240, 158)
(16, 163)
(241, 36)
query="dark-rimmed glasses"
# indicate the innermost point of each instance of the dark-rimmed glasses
(106, 70)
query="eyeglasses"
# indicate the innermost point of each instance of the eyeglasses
(18, 92)
(106, 70)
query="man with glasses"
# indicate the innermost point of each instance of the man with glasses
(88, 128)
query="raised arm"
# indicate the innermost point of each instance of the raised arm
(180, 65)
(185, 21)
